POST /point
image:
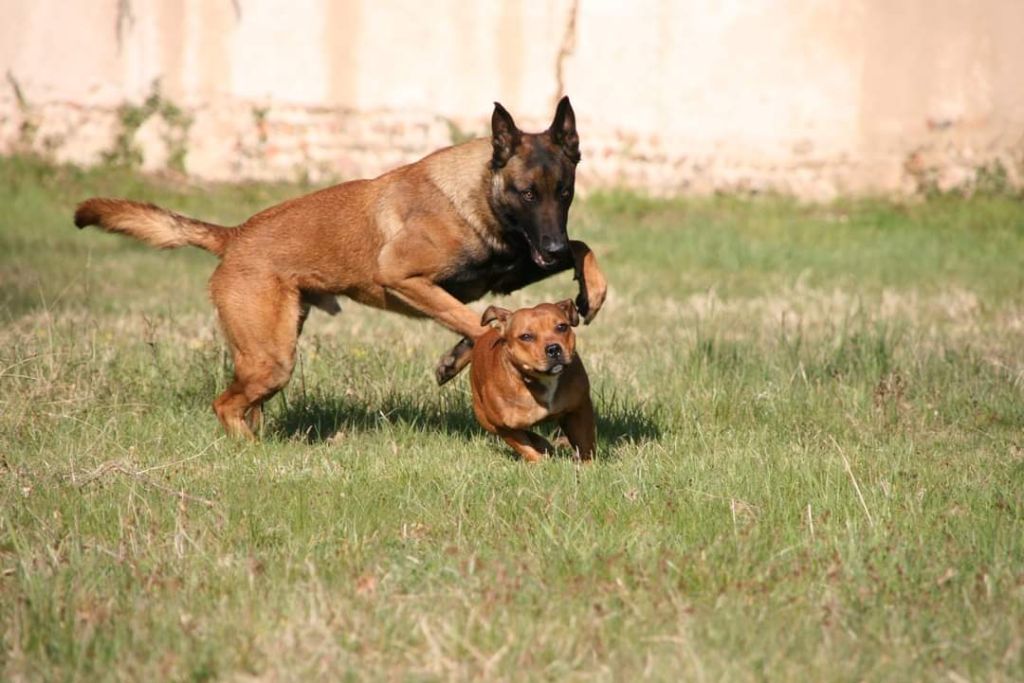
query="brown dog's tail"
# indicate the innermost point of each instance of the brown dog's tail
(151, 224)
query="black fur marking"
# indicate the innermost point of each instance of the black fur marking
(500, 272)
(527, 272)
(539, 156)
(474, 278)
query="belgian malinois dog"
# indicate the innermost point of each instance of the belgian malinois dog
(421, 240)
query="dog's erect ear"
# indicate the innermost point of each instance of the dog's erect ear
(569, 308)
(505, 136)
(496, 314)
(563, 130)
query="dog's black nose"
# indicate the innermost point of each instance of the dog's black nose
(553, 350)
(553, 245)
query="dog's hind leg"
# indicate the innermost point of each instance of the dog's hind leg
(254, 419)
(260, 319)
(231, 407)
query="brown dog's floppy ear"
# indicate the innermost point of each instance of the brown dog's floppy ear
(505, 136)
(496, 314)
(563, 130)
(569, 308)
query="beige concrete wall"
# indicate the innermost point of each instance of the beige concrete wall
(810, 97)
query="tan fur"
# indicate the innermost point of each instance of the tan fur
(151, 224)
(390, 243)
(513, 388)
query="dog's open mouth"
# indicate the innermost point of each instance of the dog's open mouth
(554, 369)
(545, 261)
(541, 259)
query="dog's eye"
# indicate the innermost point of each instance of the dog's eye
(527, 195)
(565, 192)
(562, 327)
(526, 337)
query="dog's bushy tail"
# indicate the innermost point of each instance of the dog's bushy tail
(153, 225)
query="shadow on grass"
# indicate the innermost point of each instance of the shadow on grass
(317, 420)
(621, 420)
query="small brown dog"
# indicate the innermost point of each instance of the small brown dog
(525, 369)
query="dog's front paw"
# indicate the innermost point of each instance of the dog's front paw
(452, 363)
(582, 305)
(445, 370)
(590, 300)
(595, 304)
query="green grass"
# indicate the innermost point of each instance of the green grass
(811, 461)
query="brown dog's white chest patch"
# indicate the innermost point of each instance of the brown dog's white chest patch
(544, 390)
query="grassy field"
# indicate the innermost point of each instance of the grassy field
(811, 463)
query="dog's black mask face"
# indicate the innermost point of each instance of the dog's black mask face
(534, 179)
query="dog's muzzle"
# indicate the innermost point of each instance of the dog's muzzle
(556, 359)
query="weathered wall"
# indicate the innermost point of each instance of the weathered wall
(810, 97)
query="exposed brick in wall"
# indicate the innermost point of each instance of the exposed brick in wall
(813, 98)
(239, 140)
